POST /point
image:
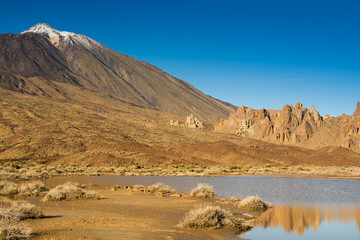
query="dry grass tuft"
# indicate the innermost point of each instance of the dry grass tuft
(69, 191)
(161, 187)
(32, 189)
(25, 189)
(211, 217)
(138, 187)
(203, 190)
(11, 230)
(254, 203)
(9, 214)
(27, 210)
(20, 211)
(7, 188)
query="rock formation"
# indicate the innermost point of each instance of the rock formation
(295, 125)
(242, 121)
(191, 122)
(357, 110)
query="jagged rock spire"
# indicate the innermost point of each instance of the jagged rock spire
(357, 110)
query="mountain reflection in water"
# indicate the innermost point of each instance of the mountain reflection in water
(298, 219)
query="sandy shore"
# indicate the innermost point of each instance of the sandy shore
(121, 215)
(48, 171)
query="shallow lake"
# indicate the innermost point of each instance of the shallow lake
(304, 208)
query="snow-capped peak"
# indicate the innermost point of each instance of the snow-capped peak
(56, 36)
(46, 28)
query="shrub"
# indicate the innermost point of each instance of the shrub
(254, 203)
(211, 217)
(10, 230)
(138, 187)
(203, 190)
(9, 214)
(69, 191)
(161, 165)
(24, 189)
(20, 211)
(201, 166)
(284, 167)
(32, 188)
(233, 167)
(161, 187)
(27, 210)
(8, 188)
(178, 166)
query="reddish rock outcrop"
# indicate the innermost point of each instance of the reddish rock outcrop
(295, 125)
(191, 122)
(357, 110)
(243, 120)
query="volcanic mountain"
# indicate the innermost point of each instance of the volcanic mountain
(47, 62)
(65, 98)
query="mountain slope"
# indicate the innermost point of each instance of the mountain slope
(47, 62)
(36, 129)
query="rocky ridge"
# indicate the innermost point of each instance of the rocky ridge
(295, 125)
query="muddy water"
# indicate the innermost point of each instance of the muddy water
(305, 208)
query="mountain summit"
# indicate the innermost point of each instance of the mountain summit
(56, 37)
(47, 62)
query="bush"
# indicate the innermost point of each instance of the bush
(254, 203)
(20, 211)
(178, 166)
(8, 188)
(203, 190)
(161, 187)
(234, 167)
(211, 217)
(27, 210)
(8, 214)
(69, 191)
(25, 189)
(10, 230)
(32, 188)
(138, 187)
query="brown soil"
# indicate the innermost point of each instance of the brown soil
(121, 215)
(48, 130)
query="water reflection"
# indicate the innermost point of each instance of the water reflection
(307, 220)
(283, 222)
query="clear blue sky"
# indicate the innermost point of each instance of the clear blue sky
(253, 53)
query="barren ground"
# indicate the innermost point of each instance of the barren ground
(49, 130)
(121, 215)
